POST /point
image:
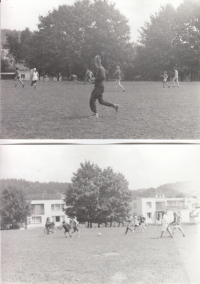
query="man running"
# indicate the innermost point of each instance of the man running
(177, 224)
(66, 227)
(17, 77)
(74, 225)
(165, 76)
(165, 225)
(88, 76)
(117, 74)
(73, 78)
(129, 223)
(97, 93)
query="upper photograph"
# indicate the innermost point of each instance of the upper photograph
(100, 69)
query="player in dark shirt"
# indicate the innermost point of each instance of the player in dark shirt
(97, 93)
(66, 227)
(17, 77)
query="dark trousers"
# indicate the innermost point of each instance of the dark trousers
(97, 94)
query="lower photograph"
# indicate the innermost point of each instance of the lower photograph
(127, 213)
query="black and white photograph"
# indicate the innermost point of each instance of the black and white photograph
(100, 69)
(100, 214)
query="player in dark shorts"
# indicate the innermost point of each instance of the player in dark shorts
(66, 227)
(97, 93)
(48, 225)
(17, 77)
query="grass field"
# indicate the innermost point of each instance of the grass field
(59, 110)
(32, 257)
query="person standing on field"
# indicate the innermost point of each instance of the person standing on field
(34, 78)
(118, 78)
(88, 76)
(74, 225)
(17, 77)
(165, 225)
(175, 78)
(142, 223)
(97, 93)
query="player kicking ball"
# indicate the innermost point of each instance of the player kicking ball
(97, 93)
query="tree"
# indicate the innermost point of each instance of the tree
(14, 207)
(97, 195)
(4, 65)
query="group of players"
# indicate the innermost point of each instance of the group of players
(97, 93)
(138, 222)
(71, 225)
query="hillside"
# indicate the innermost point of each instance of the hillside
(178, 189)
(37, 190)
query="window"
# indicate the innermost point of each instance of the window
(148, 204)
(37, 220)
(57, 218)
(148, 215)
(23, 76)
(37, 209)
(57, 207)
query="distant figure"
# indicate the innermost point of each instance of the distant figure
(165, 76)
(73, 78)
(97, 93)
(165, 225)
(136, 223)
(66, 227)
(177, 224)
(142, 220)
(74, 225)
(48, 225)
(34, 78)
(88, 76)
(17, 77)
(175, 78)
(117, 74)
(128, 227)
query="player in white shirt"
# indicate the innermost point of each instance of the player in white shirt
(165, 225)
(74, 225)
(175, 78)
(88, 76)
(165, 76)
(73, 78)
(34, 77)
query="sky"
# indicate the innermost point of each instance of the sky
(19, 14)
(143, 165)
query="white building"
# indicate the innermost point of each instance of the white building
(152, 208)
(41, 209)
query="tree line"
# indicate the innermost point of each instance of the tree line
(70, 36)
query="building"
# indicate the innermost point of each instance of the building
(41, 209)
(152, 208)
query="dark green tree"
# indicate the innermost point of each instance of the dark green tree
(97, 195)
(14, 207)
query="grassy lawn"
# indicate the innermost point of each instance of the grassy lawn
(59, 110)
(32, 257)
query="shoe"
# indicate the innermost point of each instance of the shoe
(94, 114)
(116, 107)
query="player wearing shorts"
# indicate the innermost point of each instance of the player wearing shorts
(88, 76)
(66, 227)
(117, 74)
(175, 78)
(97, 93)
(142, 220)
(177, 224)
(74, 225)
(48, 225)
(17, 77)
(34, 78)
(73, 78)
(129, 223)
(165, 76)
(165, 225)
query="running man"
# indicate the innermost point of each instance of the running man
(176, 224)
(73, 78)
(66, 227)
(165, 225)
(17, 77)
(34, 78)
(88, 76)
(165, 76)
(97, 93)
(142, 220)
(175, 78)
(118, 78)
(74, 225)
(129, 223)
